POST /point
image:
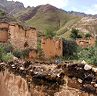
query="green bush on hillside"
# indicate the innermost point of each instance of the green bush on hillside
(87, 35)
(70, 49)
(7, 57)
(2, 13)
(8, 48)
(4, 53)
(25, 53)
(75, 34)
(88, 54)
(49, 33)
(17, 54)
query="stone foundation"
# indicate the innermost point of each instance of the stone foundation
(41, 79)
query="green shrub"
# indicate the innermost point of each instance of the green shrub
(17, 54)
(89, 55)
(1, 51)
(75, 34)
(49, 33)
(7, 57)
(8, 48)
(87, 35)
(25, 53)
(70, 49)
(2, 13)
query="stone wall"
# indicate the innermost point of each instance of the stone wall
(86, 42)
(52, 47)
(47, 79)
(20, 37)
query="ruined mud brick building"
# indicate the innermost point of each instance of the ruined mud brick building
(18, 36)
(86, 42)
(52, 47)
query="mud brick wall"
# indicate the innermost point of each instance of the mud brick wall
(52, 47)
(20, 37)
(4, 32)
(86, 42)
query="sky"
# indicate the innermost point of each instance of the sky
(86, 6)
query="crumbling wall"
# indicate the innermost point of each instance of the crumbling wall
(47, 79)
(4, 25)
(22, 38)
(52, 47)
(86, 42)
(3, 32)
(19, 36)
(31, 38)
(3, 36)
(33, 54)
(11, 85)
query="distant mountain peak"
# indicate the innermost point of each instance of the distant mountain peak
(3, 0)
(48, 6)
(11, 7)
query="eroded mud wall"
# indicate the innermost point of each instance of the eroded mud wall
(4, 32)
(11, 85)
(52, 47)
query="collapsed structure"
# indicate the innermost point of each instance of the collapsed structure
(47, 79)
(52, 47)
(18, 36)
(22, 38)
(84, 42)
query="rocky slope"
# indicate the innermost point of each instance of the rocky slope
(5, 17)
(11, 7)
(85, 25)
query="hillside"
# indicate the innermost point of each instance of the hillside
(11, 7)
(5, 17)
(85, 25)
(48, 17)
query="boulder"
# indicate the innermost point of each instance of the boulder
(94, 70)
(87, 67)
(95, 85)
(80, 81)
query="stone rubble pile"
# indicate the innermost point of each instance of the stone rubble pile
(84, 74)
